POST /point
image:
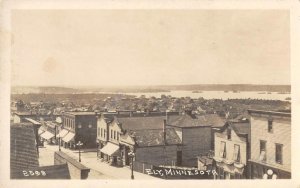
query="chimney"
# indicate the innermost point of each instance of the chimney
(164, 131)
(188, 112)
(98, 115)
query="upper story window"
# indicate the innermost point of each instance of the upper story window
(278, 153)
(236, 154)
(262, 156)
(270, 126)
(111, 134)
(104, 133)
(114, 134)
(229, 133)
(223, 150)
(118, 136)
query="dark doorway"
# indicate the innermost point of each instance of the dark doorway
(179, 158)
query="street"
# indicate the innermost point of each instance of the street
(99, 170)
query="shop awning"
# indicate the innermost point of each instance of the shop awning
(68, 137)
(62, 133)
(110, 149)
(47, 135)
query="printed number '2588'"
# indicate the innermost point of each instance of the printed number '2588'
(34, 173)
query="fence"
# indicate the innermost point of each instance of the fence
(141, 166)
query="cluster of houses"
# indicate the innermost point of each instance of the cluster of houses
(258, 147)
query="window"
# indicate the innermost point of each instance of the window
(118, 136)
(98, 131)
(223, 150)
(111, 133)
(104, 132)
(278, 153)
(236, 154)
(262, 156)
(270, 126)
(229, 133)
(114, 134)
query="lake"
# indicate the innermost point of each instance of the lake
(218, 95)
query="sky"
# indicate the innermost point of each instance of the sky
(149, 47)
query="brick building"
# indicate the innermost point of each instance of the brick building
(79, 126)
(270, 145)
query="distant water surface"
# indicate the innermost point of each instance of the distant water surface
(218, 95)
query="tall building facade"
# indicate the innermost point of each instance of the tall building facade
(270, 145)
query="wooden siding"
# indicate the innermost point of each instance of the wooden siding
(281, 134)
(196, 141)
(158, 155)
(235, 140)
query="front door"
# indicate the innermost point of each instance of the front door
(179, 158)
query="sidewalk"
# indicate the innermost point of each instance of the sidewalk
(99, 170)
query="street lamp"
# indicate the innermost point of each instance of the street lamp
(79, 144)
(131, 155)
(59, 143)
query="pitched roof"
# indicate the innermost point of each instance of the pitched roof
(43, 172)
(241, 127)
(141, 123)
(155, 137)
(23, 152)
(186, 120)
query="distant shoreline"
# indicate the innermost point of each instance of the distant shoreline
(153, 89)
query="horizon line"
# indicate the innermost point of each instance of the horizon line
(152, 85)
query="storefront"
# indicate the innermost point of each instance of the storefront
(47, 136)
(228, 169)
(111, 154)
(68, 140)
(264, 171)
(41, 130)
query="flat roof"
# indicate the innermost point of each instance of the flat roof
(33, 121)
(23, 113)
(81, 113)
(270, 112)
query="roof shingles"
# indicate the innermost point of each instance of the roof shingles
(155, 137)
(23, 152)
(186, 120)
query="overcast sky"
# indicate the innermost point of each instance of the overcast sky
(150, 47)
